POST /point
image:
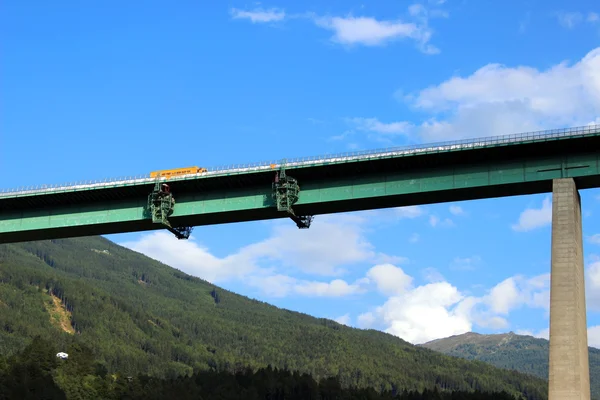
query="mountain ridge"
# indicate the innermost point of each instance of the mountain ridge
(523, 353)
(141, 316)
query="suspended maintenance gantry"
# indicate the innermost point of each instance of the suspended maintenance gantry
(161, 202)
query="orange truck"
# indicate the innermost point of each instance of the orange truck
(169, 173)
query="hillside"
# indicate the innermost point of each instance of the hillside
(508, 350)
(142, 317)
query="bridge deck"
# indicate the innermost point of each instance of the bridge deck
(304, 162)
(468, 170)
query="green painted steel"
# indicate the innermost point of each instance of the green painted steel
(351, 192)
(286, 193)
(161, 205)
(505, 141)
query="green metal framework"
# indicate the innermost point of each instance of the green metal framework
(286, 193)
(519, 139)
(161, 205)
(348, 184)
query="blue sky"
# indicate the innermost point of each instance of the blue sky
(111, 89)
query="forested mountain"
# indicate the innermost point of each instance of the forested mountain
(508, 350)
(36, 373)
(142, 317)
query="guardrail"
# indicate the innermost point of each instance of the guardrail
(348, 156)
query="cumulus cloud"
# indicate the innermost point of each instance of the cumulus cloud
(533, 218)
(412, 311)
(497, 99)
(425, 313)
(331, 243)
(315, 250)
(390, 280)
(439, 309)
(191, 257)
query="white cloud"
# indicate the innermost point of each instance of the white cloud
(369, 31)
(595, 239)
(332, 242)
(409, 211)
(316, 250)
(417, 313)
(594, 336)
(366, 320)
(344, 319)
(191, 257)
(432, 275)
(569, 19)
(466, 263)
(592, 283)
(518, 291)
(374, 125)
(505, 296)
(498, 100)
(425, 313)
(434, 221)
(279, 285)
(438, 309)
(362, 30)
(390, 280)
(335, 288)
(456, 210)
(541, 334)
(258, 15)
(414, 238)
(533, 218)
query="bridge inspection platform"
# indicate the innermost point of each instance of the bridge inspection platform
(560, 161)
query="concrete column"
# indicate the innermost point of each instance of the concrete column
(569, 375)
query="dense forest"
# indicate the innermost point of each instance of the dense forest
(518, 352)
(36, 373)
(141, 317)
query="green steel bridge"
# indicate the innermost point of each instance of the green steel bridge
(558, 161)
(434, 173)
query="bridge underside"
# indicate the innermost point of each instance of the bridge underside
(29, 218)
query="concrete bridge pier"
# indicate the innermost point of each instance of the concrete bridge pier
(569, 375)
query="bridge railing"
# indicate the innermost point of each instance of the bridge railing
(346, 156)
